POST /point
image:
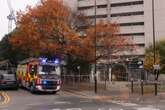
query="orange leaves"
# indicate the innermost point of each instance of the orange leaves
(39, 28)
(107, 36)
(46, 29)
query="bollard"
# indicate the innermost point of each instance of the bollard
(142, 87)
(132, 86)
(156, 89)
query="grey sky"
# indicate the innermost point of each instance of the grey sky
(17, 5)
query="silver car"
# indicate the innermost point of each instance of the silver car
(8, 80)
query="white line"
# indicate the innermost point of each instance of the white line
(56, 109)
(123, 103)
(147, 108)
(85, 101)
(62, 102)
(74, 109)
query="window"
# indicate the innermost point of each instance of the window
(128, 14)
(85, 8)
(131, 24)
(131, 34)
(126, 3)
(33, 69)
(102, 6)
(99, 16)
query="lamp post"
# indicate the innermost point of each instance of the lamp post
(79, 75)
(95, 78)
(153, 20)
(61, 41)
(154, 47)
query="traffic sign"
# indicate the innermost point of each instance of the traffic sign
(156, 67)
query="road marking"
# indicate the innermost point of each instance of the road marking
(85, 101)
(68, 109)
(62, 102)
(74, 109)
(56, 109)
(147, 108)
(75, 94)
(6, 98)
(123, 103)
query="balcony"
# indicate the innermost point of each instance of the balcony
(91, 12)
(131, 29)
(121, 1)
(86, 3)
(126, 9)
(128, 19)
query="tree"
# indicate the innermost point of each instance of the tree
(107, 38)
(7, 53)
(48, 29)
(149, 60)
(44, 29)
(160, 59)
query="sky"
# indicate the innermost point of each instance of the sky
(18, 5)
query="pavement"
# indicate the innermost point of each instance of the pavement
(119, 93)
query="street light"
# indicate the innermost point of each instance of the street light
(153, 17)
(154, 47)
(95, 78)
(62, 42)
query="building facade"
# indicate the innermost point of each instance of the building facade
(133, 16)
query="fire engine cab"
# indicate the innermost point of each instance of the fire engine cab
(39, 74)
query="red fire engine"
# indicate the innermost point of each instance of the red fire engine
(39, 74)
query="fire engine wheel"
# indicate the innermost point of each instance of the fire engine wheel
(20, 84)
(32, 89)
(54, 92)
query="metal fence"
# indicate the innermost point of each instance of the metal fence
(81, 82)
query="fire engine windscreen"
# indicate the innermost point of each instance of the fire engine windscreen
(47, 69)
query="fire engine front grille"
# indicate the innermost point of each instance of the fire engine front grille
(51, 82)
(49, 87)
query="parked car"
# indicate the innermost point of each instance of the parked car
(7, 76)
(8, 80)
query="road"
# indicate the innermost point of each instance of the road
(24, 100)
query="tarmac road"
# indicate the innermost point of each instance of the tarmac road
(63, 100)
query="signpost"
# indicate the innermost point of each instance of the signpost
(156, 69)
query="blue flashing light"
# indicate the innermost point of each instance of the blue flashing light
(56, 61)
(43, 60)
(44, 82)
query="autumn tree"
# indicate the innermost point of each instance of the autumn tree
(149, 59)
(160, 59)
(44, 29)
(108, 41)
(49, 29)
(78, 21)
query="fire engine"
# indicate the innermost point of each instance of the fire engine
(39, 74)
